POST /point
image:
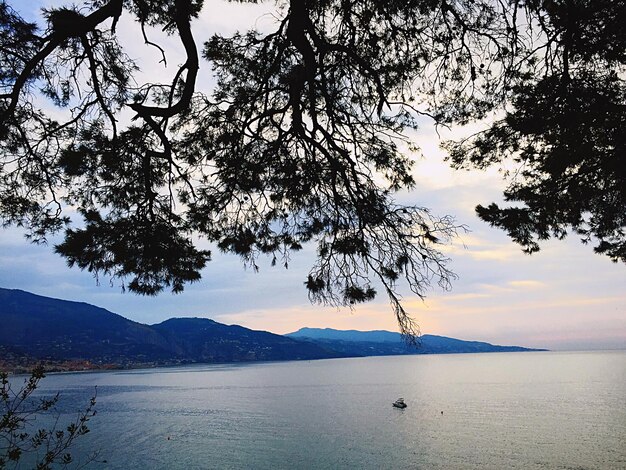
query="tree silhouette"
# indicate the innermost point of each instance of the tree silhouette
(22, 438)
(299, 141)
(565, 130)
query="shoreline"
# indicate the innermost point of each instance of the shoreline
(24, 366)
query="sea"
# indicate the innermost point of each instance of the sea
(527, 410)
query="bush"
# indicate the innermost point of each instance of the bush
(19, 436)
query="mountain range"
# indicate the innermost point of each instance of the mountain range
(386, 343)
(37, 328)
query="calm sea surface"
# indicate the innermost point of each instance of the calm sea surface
(539, 410)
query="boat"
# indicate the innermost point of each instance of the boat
(399, 403)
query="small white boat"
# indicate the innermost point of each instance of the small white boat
(399, 403)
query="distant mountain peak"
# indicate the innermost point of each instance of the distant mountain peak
(188, 320)
(392, 343)
(378, 336)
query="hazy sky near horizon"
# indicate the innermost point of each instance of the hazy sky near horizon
(564, 297)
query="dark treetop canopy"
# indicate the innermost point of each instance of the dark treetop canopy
(565, 129)
(299, 139)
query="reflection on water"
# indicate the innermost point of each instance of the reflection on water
(505, 410)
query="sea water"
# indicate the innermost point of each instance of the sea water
(533, 410)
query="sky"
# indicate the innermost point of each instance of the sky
(564, 297)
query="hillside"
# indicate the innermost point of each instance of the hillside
(385, 343)
(42, 328)
(206, 340)
(75, 335)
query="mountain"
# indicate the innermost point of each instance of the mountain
(385, 343)
(38, 327)
(43, 327)
(205, 340)
(376, 336)
(35, 328)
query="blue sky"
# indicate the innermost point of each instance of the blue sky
(564, 297)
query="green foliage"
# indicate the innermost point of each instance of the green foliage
(19, 436)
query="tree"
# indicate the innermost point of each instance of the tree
(299, 141)
(18, 437)
(566, 131)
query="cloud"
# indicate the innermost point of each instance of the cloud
(374, 316)
(502, 253)
(527, 284)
